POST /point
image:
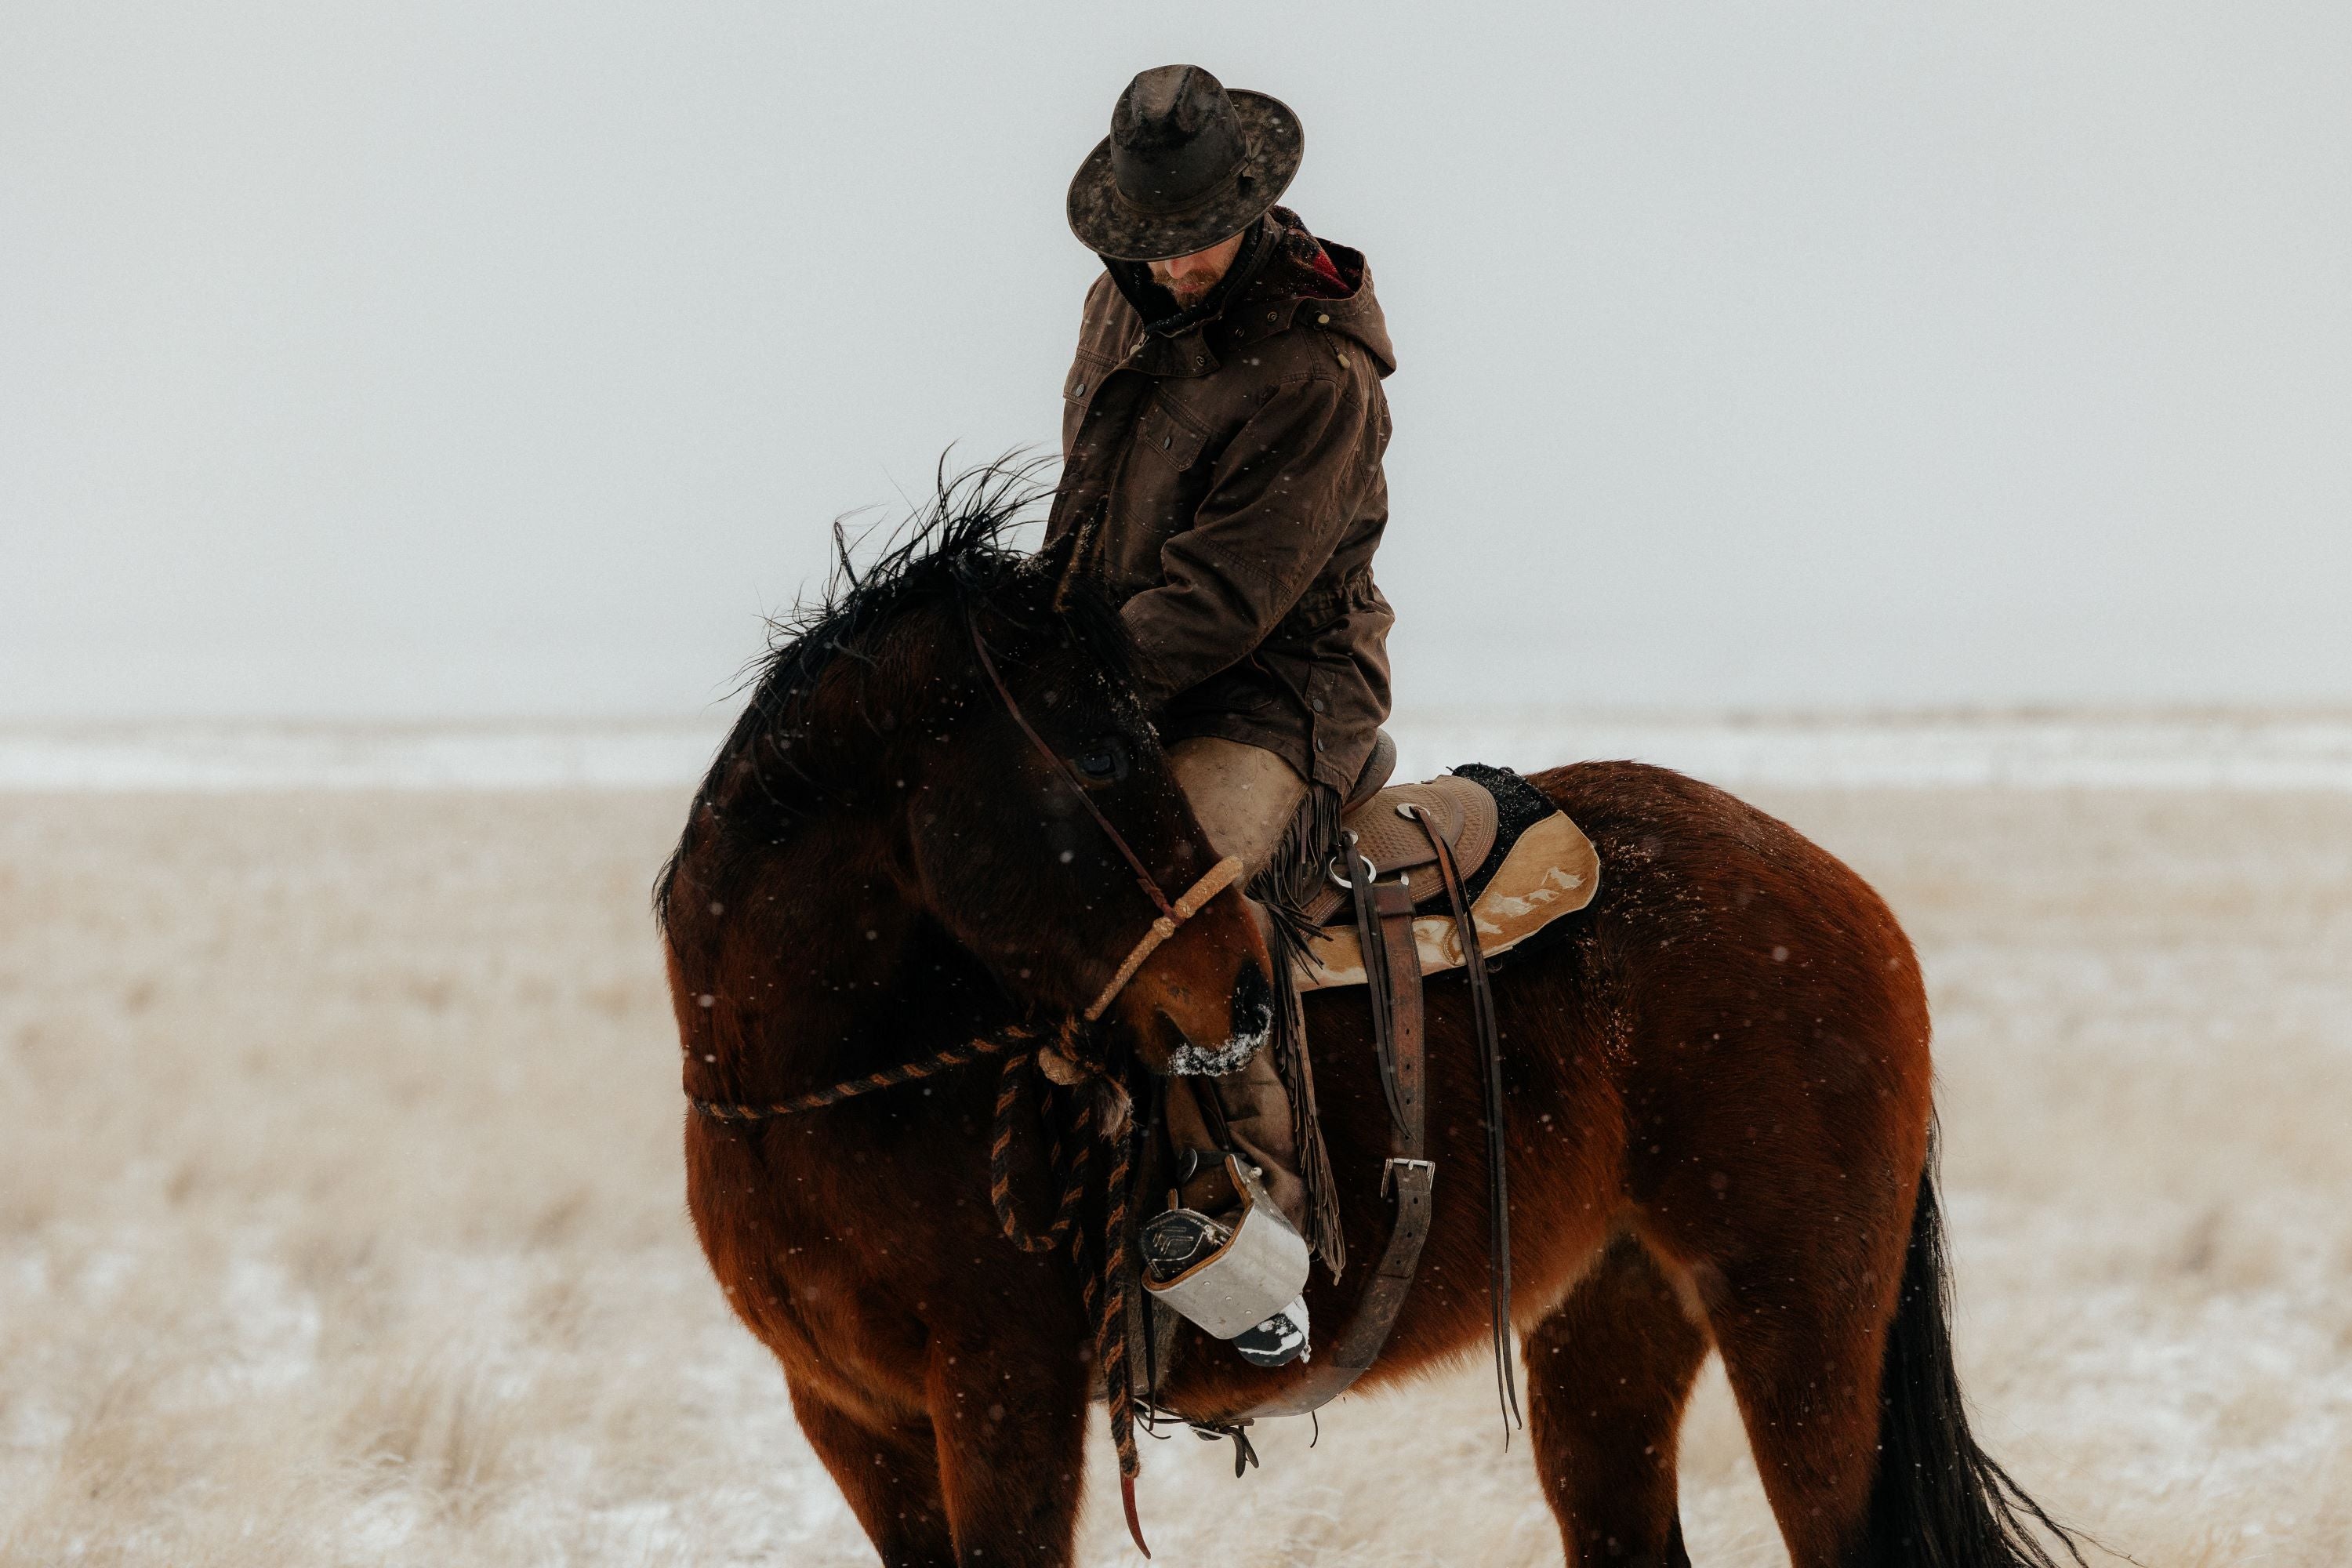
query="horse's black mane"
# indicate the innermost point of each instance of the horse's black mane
(954, 550)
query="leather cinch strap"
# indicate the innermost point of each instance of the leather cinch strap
(1392, 976)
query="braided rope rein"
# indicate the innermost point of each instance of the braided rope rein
(941, 1061)
(1104, 1289)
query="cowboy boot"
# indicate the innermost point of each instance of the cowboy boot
(1230, 1228)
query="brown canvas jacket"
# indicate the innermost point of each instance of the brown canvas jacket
(1223, 479)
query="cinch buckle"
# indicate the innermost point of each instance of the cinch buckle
(1389, 1171)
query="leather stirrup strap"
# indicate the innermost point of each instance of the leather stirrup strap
(1401, 961)
(1490, 1064)
(1380, 981)
(1385, 929)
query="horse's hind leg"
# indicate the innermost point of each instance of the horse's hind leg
(889, 1474)
(1803, 1350)
(1607, 1375)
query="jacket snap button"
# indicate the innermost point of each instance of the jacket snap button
(1082, 389)
(1167, 441)
(1319, 705)
(1322, 321)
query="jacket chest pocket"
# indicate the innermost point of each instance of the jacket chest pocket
(1170, 437)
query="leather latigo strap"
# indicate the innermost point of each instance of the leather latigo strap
(1395, 992)
(1490, 1065)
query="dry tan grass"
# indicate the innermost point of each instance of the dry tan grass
(340, 1222)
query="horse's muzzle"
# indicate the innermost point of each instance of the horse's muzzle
(1251, 1025)
(1200, 997)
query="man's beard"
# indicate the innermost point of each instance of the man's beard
(1189, 291)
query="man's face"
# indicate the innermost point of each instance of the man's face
(1190, 277)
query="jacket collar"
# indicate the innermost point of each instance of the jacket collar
(1273, 286)
(1162, 316)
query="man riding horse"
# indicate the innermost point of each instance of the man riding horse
(1721, 1070)
(1223, 430)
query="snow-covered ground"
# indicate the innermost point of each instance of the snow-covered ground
(341, 1216)
(2056, 749)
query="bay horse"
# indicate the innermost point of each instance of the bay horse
(1718, 1077)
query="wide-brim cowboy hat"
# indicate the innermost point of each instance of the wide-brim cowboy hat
(1186, 166)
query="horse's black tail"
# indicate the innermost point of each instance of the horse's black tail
(1939, 1500)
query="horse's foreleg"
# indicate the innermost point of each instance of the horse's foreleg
(1009, 1408)
(889, 1474)
(1607, 1374)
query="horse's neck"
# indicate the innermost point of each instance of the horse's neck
(847, 978)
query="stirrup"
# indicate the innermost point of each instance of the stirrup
(1228, 1276)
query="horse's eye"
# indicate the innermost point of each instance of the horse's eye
(1100, 762)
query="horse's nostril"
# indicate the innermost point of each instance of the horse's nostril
(1252, 1004)
(1251, 1024)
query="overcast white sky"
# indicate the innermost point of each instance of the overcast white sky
(479, 359)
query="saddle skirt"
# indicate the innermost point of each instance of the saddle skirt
(1524, 865)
